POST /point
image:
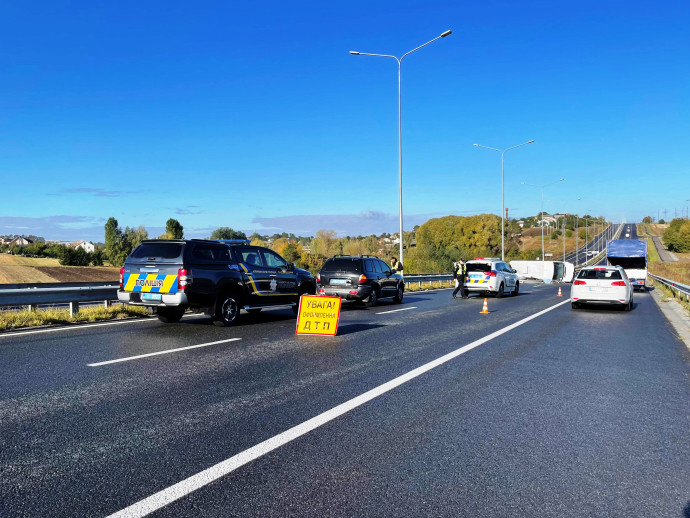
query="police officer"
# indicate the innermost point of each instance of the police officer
(396, 265)
(459, 271)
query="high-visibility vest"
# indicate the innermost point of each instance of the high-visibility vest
(397, 267)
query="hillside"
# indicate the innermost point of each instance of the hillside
(16, 269)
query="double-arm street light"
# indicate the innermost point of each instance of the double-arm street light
(399, 60)
(503, 205)
(541, 214)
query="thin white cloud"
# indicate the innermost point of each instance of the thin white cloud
(96, 192)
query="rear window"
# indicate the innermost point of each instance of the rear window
(599, 274)
(478, 267)
(158, 251)
(344, 264)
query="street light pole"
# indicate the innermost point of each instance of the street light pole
(503, 205)
(541, 215)
(399, 60)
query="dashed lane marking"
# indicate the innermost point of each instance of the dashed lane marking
(396, 310)
(169, 351)
(203, 478)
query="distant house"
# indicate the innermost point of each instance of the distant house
(86, 245)
(20, 242)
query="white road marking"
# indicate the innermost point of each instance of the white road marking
(183, 488)
(396, 310)
(77, 327)
(130, 358)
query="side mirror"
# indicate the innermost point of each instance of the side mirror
(290, 267)
(513, 270)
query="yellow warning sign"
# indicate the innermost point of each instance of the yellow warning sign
(318, 315)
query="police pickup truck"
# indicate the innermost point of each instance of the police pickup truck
(217, 277)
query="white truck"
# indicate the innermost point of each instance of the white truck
(631, 255)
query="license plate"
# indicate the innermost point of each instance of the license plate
(596, 289)
(151, 296)
(340, 282)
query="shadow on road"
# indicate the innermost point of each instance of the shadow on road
(348, 329)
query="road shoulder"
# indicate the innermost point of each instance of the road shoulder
(674, 313)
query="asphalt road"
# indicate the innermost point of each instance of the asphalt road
(569, 413)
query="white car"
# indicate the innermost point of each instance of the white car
(602, 285)
(491, 275)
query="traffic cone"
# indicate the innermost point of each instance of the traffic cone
(559, 292)
(485, 309)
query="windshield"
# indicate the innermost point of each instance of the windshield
(599, 274)
(345, 264)
(158, 251)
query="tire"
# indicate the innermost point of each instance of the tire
(373, 297)
(399, 294)
(499, 293)
(575, 305)
(516, 290)
(227, 310)
(169, 315)
(629, 305)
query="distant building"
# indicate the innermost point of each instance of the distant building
(20, 242)
(86, 245)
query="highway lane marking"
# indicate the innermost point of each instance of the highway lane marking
(77, 327)
(396, 310)
(203, 478)
(130, 358)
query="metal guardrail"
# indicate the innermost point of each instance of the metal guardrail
(430, 277)
(682, 290)
(71, 293)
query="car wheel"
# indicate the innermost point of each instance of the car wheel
(516, 290)
(499, 293)
(169, 315)
(373, 297)
(575, 305)
(227, 310)
(629, 305)
(399, 294)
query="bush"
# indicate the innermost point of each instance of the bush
(677, 236)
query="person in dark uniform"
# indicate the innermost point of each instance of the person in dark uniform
(459, 271)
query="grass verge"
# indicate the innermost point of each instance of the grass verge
(42, 317)
(670, 294)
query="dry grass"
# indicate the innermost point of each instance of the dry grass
(679, 272)
(531, 240)
(15, 269)
(42, 317)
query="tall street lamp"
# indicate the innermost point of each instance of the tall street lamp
(541, 214)
(399, 60)
(503, 205)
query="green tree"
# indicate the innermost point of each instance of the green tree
(174, 229)
(228, 233)
(113, 234)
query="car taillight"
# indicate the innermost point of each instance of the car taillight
(122, 277)
(318, 278)
(579, 283)
(184, 279)
(362, 279)
(618, 283)
(492, 273)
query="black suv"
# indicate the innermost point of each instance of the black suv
(218, 277)
(363, 278)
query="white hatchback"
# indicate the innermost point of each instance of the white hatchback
(602, 285)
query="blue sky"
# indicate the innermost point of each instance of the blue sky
(255, 116)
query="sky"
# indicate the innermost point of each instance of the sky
(253, 115)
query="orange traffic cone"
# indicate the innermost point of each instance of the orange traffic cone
(559, 292)
(485, 309)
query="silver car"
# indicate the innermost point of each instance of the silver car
(608, 285)
(487, 275)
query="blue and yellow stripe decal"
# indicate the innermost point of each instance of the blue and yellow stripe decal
(150, 283)
(257, 291)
